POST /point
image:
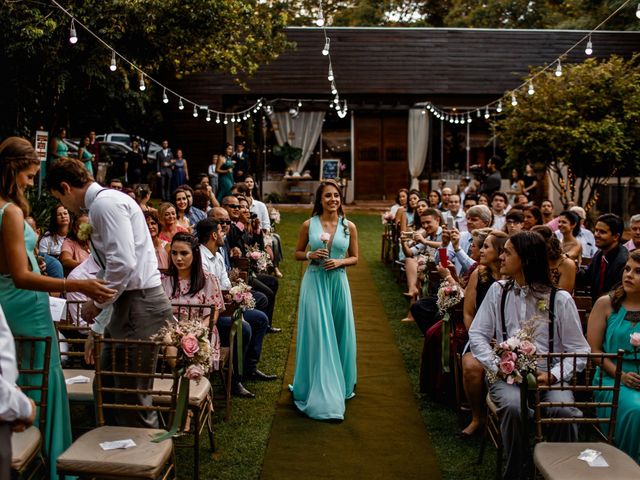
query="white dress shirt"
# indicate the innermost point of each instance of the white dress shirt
(499, 221)
(122, 241)
(521, 306)
(214, 264)
(14, 404)
(459, 219)
(261, 210)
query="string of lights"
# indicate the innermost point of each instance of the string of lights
(144, 78)
(465, 115)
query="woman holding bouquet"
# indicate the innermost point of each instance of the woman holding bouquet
(614, 324)
(325, 373)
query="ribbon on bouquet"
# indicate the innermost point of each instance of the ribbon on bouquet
(181, 408)
(446, 332)
(236, 328)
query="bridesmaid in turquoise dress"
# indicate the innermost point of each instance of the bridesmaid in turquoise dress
(325, 374)
(612, 321)
(225, 173)
(22, 288)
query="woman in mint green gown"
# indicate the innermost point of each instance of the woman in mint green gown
(22, 288)
(225, 173)
(612, 321)
(325, 374)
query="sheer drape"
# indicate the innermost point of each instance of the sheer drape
(418, 143)
(301, 132)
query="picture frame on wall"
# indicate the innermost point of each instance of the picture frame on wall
(329, 169)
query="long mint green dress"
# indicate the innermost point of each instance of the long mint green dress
(627, 434)
(325, 374)
(225, 180)
(28, 314)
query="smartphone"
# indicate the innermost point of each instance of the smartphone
(444, 258)
(449, 223)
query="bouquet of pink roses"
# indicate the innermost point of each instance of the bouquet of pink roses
(241, 297)
(259, 260)
(515, 357)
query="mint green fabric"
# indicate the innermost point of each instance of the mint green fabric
(325, 373)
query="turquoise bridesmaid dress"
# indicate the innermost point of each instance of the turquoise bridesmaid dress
(627, 434)
(325, 374)
(28, 314)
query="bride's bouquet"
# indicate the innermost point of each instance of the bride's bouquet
(515, 357)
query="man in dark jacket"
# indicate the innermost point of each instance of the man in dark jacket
(605, 270)
(493, 182)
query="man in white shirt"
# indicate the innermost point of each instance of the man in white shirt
(527, 297)
(122, 246)
(456, 213)
(499, 202)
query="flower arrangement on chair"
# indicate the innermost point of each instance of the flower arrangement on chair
(259, 260)
(242, 299)
(449, 295)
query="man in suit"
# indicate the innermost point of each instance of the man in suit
(164, 165)
(605, 270)
(241, 167)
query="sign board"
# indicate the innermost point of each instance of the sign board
(41, 146)
(329, 168)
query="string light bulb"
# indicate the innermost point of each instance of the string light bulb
(320, 19)
(195, 111)
(514, 101)
(226, 121)
(208, 116)
(423, 112)
(468, 117)
(142, 86)
(589, 49)
(638, 11)
(325, 50)
(233, 119)
(486, 113)
(73, 36)
(531, 91)
(478, 113)
(165, 99)
(334, 90)
(180, 105)
(330, 77)
(217, 118)
(499, 107)
(113, 65)
(559, 69)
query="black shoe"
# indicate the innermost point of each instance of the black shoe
(258, 375)
(274, 330)
(238, 390)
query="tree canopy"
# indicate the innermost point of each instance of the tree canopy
(584, 126)
(44, 77)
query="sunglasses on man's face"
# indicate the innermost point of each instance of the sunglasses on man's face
(232, 205)
(224, 222)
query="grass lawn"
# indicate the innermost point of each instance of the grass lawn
(242, 441)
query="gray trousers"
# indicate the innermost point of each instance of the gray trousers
(507, 399)
(5, 451)
(137, 315)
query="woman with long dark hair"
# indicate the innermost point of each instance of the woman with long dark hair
(568, 230)
(532, 217)
(74, 251)
(325, 373)
(59, 223)
(614, 322)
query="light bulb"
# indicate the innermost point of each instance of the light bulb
(113, 65)
(165, 99)
(226, 121)
(559, 69)
(330, 77)
(457, 120)
(531, 91)
(195, 111)
(342, 113)
(589, 49)
(325, 50)
(73, 36)
(638, 11)
(320, 19)
(478, 113)
(208, 116)
(142, 87)
(180, 105)
(514, 102)
(336, 100)
(334, 90)
(344, 105)
(486, 113)
(299, 103)
(468, 118)
(233, 119)
(423, 112)
(499, 107)
(217, 118)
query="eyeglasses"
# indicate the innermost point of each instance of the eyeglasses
(232, 205)
(224, 222)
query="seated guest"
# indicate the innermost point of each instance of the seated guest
(182, 208)
(74, 251)
(499, 204)
(515, 221)
(531, 217)
(161, 247)
(470, 200)
(585, 236)
(605, 270)
(201, 202)
(507, 304)
(49, 265)
(455, 212)
(434, 199)
(168, 222)
(143, 195)
(562, 269)
(401, 202)
(407, 215)
(195, 213)
(634, 242)
(613, 319)
(431, 238)
(546, 210)
(479, 282)
(51, 242)
(568, 230)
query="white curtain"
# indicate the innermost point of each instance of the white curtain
(301, 132)
(418, 143)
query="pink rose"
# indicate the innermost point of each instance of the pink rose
(246, 297)
(504, 346)
(238, 297)
(325, 237)
(527, 347)
(189, 344)
(448, 290)
(255, 256)
(508, 357)
(634, 339)
(194, 372)
(507, 367)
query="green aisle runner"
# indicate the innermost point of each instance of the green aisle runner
(383, 435)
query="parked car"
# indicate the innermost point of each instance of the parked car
(125, 139)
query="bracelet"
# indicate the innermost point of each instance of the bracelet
(308, 254)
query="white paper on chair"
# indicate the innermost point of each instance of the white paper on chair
(77, 379)
(128, 443)
(593, 458)
(57, 307)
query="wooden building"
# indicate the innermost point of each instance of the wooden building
(382, 73)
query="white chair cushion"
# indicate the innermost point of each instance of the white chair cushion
(24, 445)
